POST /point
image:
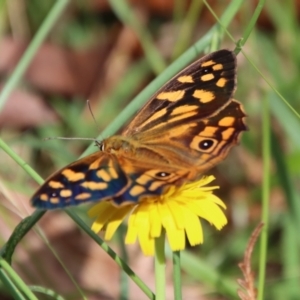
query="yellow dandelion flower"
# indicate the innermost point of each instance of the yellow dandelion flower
(177, 212)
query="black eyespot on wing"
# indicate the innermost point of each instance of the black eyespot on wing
(206, 144)
(162, 174)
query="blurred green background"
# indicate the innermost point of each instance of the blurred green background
(107, 52)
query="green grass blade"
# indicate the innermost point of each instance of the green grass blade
(31, 50)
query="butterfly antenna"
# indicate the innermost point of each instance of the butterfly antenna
(97, 142)
(91, 111)
(69, 138)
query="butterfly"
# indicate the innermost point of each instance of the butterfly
(187, 126)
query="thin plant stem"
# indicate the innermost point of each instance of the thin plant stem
(120, 262)
(7, 282)
(20, 284)
(21, 162)
(272, 86)
(186, 30)
(124, 282)
(265, 196)
(251, 24)
(247, 31)
(177, 276)
(160, 267)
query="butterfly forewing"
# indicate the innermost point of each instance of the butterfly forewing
(197, 92)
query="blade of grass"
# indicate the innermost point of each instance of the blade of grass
(290, 257)
(127, 16)
(20, 284)
(19, 232)
(286, 182)
(10, 286)
(248, 29)
(186, 30)
(266, 150)
(31, 50)
(47, 292)
(251, 24)
(111, 253)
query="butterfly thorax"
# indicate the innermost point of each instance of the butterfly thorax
(126, 147)
(117, 144)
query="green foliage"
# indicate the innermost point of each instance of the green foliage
(259, 182)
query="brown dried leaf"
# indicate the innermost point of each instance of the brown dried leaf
(25, 109)
(55, 69)
(248, 291)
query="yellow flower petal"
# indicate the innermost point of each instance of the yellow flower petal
(105, 211)
(155, 222)
(177, 211)
(193, 228)
(97, 209)
(176, 238)
(116, 220)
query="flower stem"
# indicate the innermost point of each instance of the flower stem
(160, 266)
(177, 275)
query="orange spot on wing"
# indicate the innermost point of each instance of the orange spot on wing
(65, 193)
(92, 185)
(204, 96)
(156, 184)
(183, 116)
(185, 79)
(207, 63)
(227, 134)
(103, 174)
(226, 121)
(217, 67)
(209, 131)
(55, 184)
(73, 176)
(95, 165)
(54, 200)
(155, 116)
(207, 77)
(113, 173)
(137, 190)
(83, 196)
(221, 82)
(143, 179)
(183, 109)
(171, 96)
(44, 197)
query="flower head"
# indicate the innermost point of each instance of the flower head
(177, 211)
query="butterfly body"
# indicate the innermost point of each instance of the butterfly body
(187, 127)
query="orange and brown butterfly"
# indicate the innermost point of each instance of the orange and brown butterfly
(187, 127)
